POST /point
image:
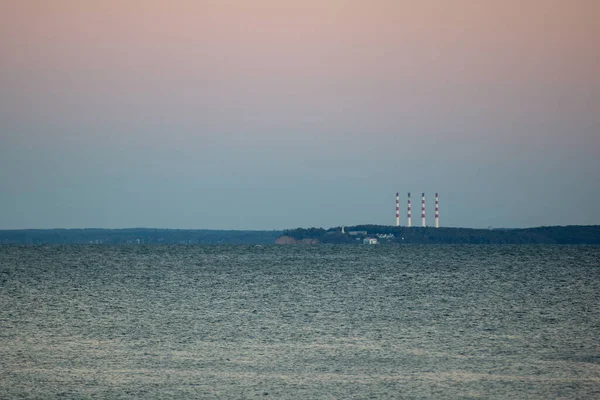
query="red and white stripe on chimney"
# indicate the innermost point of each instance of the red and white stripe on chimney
(423, 210)
(409, 211)
(408, 216)
(397, 209)
(437, 212)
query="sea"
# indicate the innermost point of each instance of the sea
(300, 322)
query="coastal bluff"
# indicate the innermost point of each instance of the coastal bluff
(284, 239)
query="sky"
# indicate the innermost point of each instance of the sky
(273, 114)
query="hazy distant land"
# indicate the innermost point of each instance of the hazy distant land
(589, 234)
(136, 236)
(352, 235)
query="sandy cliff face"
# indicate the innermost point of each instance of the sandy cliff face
(290, 240)
(285, 240)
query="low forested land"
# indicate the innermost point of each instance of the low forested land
(399, 235)
(351, 235)
(136, 236)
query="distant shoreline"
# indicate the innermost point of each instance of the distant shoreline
(572, 234)
(133, 236)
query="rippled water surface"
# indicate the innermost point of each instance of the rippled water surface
(330, 322)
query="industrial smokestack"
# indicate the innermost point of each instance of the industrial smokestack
(408, 218)
(397, 209)
(437, 212)
(423, 210)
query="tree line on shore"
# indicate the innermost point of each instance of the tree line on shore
(350, 235)
(575, 234)
(136, 236)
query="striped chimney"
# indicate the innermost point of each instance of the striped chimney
(397, 209)
(437, 212)
(408, 219)
(423, 210)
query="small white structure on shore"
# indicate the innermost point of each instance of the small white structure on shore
(370, 241)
